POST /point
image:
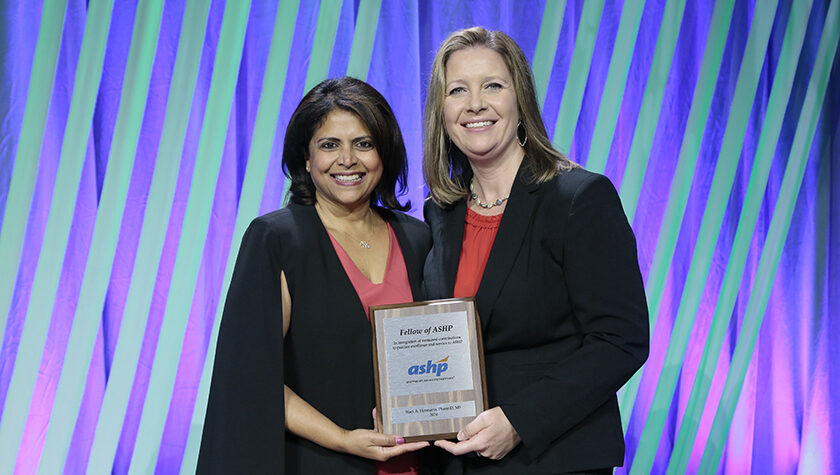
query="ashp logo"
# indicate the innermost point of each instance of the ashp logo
(435, 368)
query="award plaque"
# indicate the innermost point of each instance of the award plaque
(428, 366)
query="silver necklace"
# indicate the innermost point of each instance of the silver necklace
(474, 197)
(364, 243)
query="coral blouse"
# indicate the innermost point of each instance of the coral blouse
(479, 234)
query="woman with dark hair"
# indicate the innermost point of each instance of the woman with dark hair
(546, 250)
(293, 386)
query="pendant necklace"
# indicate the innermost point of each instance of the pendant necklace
(364, 243)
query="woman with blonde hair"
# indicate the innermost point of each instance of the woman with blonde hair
(546, 250)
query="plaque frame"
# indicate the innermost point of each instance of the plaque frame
(437, 427)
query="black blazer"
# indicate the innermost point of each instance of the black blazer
(325, 357)
(563, 316)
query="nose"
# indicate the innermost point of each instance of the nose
(476, 101)
(348, 157)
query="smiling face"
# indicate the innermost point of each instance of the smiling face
(343, 161)
(480, 107)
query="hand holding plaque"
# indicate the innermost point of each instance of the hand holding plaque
(428, 367)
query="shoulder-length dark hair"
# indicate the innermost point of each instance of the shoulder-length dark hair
(442, 162)
(361, 99)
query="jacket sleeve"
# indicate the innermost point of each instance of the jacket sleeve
(606, 294)
(245, 424)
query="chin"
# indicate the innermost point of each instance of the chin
(481, 156)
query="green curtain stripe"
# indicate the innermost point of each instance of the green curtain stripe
(782, 82)
(684, 174)
(622, 54)
(567, 117)
(57, 231)
(675, 208)
(153, 233)
(25, 168)
(543, 62)
(249, 200)
(724, 176)
(637, 160)
(776, 235)
(103, 245)
(634, 171)
(196, 219)
(320, 55)
(322, 44)
(365, 33)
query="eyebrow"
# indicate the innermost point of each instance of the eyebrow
(484, 79)
(354, 139)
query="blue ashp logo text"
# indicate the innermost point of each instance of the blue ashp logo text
(435, 368)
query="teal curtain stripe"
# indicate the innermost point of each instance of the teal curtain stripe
(622, 54)
(782, 82)
(724, 176)
(249, 200)
(363, 36)
(543, 62)
(25, 171)
(322, 44)
(57, 231)
(197, 219)
(320, 54)
(567, 117)
(684, 174)
(103, 244)
(634, 172)
(153, 233)
(637, 160)
(776, 236)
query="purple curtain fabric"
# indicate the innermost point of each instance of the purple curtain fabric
(787, 418)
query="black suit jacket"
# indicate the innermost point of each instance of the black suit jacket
(325, 357)
(563, 315)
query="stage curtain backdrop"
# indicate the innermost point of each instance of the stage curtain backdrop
(138, 139)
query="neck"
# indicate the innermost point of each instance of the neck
(495, 180)
(332, 211)
(358, 220)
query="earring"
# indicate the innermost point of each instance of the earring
(307, 167)
(523, 142)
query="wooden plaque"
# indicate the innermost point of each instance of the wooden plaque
(428, 366)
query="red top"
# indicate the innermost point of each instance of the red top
(479, 234)
(395, 288)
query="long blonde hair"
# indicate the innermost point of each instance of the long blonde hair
(443, 163)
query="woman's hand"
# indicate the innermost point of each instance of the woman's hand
(489, 435)
(373, 445)
(305, 421)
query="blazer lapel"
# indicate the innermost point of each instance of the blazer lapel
(506, 246)
(452, 237)
(335, 271)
